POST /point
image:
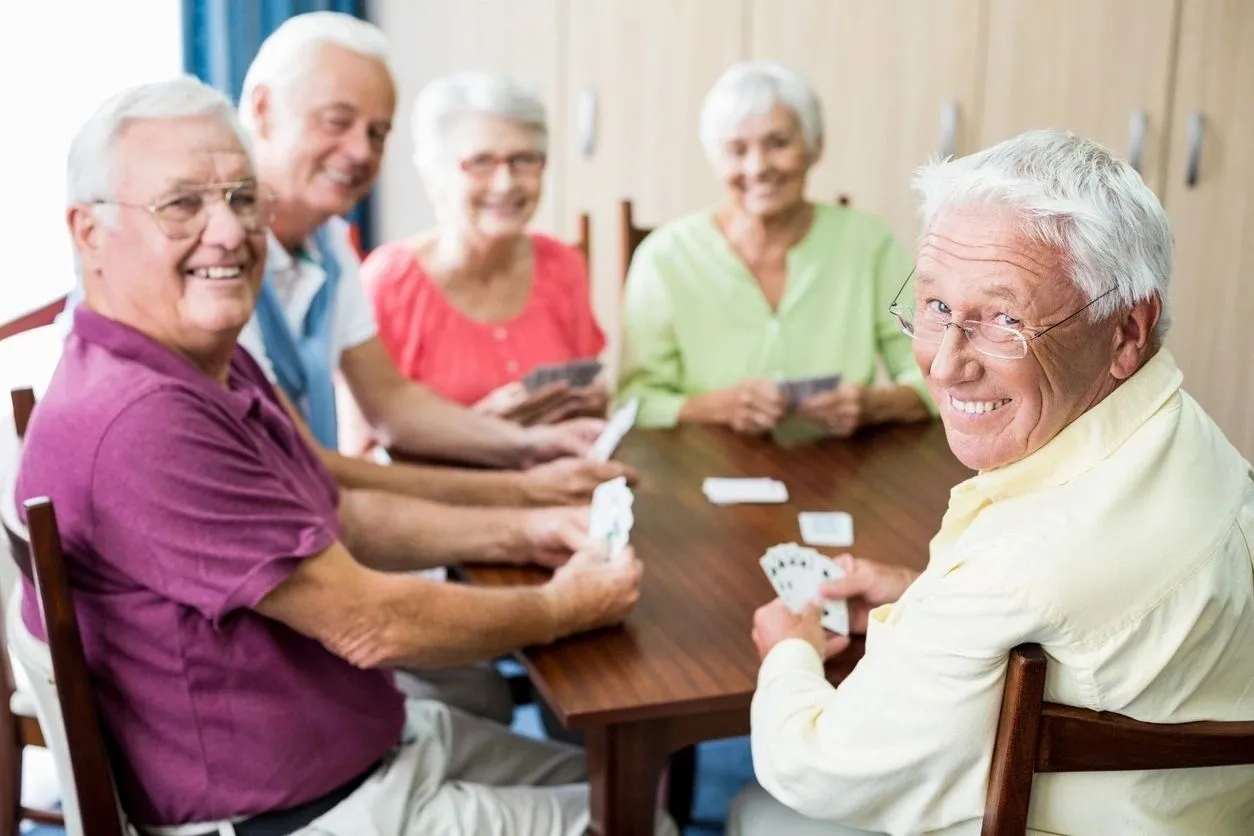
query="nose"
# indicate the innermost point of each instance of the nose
(222, 227)
(357, 146)
(755, 161)
(955, 361)
(502, 177)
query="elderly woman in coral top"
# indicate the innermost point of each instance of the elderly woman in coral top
(473, 305)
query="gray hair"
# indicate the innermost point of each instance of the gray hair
(89, 169)
(446, 100)
(754, 88)
(289, 51)
(1072, 194)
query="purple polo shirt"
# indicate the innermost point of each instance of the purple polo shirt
(181, 504)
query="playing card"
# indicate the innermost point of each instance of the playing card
(619, 425)
(796, 573)
(835, 613)
(577, 373)
(728, 491)
(776, 572)
(834, 528)
(582, 372)
(798, 390)
(611, 518)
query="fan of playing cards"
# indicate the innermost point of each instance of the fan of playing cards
(796, 573)
(577, 374)
(799, 390)
(611, 517)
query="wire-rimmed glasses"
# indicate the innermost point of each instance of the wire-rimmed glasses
(185, 214)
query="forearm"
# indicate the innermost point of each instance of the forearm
(894, 403)
(418, 421)
(705, 408)
(453, 485)
(390, 532)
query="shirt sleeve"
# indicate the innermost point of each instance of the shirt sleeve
(354, 319)
(895, 346)
(652, 366)
(180, 490)
(904, 744)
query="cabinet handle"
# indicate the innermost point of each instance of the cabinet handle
(1197, 132)
(587, 121)
(1138, 126)
(948, 130)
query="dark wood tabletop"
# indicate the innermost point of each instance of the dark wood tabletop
(686, 649)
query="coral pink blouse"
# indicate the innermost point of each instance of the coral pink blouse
(434, 343)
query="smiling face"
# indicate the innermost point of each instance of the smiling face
(490, 184)
(764, 163)
(977, 264)
(320, 140)
(195, 293)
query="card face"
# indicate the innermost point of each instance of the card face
(797, 573)
(610, 518)
(577, 373)
(730, 491)
(835, 613)
(619, 425)
(826, 528)
(797, 391)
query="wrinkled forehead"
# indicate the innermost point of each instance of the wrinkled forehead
(987, 248)
(339, 77)
(154, 156)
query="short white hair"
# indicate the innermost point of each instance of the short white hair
(286, 55)
(446, 100)
(1072, 194)
(754, 88)
(90, 165)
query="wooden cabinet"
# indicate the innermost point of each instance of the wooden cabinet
(898, 80)
(1103, 70)
(432, 38)
(1209, 183)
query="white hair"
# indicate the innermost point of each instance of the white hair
(288, 52)
(1076, 196)
(90, 165)
(754, 88)
(446, 100)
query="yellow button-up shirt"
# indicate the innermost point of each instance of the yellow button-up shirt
(1123, 547)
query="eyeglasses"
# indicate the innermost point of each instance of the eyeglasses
(989, 338)
(482, 166)
(184, 214)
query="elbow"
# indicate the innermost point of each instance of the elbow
(366, 643)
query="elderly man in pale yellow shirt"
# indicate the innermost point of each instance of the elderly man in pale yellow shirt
(1110, 521)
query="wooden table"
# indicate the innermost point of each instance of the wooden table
(682, 668)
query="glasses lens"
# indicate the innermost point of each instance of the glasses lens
(253, 205)
(178, 216)
(996, 340)
(924, 328)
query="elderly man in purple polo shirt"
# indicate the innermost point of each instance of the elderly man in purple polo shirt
(239, 627)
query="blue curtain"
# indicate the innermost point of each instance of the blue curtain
(221, 38)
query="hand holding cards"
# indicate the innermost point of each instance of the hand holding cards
(796, 573)
(611, 516)
(576, 374)
(799, 390)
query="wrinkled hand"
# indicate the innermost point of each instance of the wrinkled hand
(753, 406)
(592, 591)
(841, 411)
(570, 480)
(585, 401)
(552, 441)
(502, 400)
(774, 622)
(554, 534)
(866, 585)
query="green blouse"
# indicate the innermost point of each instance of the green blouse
(695, 319)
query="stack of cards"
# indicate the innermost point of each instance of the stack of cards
(799, 390)
(796, 573)
(833, 528)
(611, 517)
(722, 491)
(577, 374)
(620, 423)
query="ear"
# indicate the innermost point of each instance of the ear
(86, 233)
(261, 105)
(1134, 337)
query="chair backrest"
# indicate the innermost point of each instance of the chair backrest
(89, 759)
(630, 236)
(1034, 736)
(584, 242)
(37, 318)
(23, 405)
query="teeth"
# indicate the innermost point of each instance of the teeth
(338, 177)
(976, 407)
(216, 272)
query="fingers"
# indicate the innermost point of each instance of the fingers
(857, 581)
(834, 645)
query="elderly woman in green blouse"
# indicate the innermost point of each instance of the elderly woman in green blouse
(723, 305)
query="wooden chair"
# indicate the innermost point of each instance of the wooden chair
(33, 319)
(88, 754)
(19, 725)
(1034, 736)
(584, 242)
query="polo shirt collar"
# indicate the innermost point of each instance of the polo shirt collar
(128, 343)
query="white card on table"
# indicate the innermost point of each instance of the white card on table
(610, 518)
(727, 491)
(618, 426)
(823, 528)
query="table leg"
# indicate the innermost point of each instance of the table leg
(625, 761)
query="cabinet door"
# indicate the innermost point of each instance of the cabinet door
(636, 75)
(431, 38)
(897, 80)
(1212, 214)
(1100, 69)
